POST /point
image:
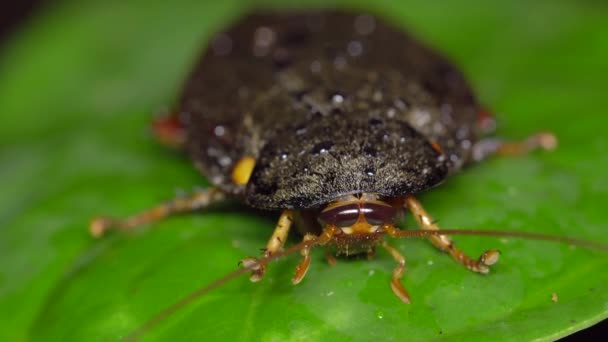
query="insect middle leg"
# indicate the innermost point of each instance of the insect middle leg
(199, 199)
(444, 243)
(493, 146)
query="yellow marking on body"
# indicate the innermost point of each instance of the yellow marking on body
(242, 171)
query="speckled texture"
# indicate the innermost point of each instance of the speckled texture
(329, 104)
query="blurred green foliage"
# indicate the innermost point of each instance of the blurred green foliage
(80, 83)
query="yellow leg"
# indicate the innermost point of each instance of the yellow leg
(200, 199)
(275, 243)
(302, 267)
(445, 244)
(324, 238)
(396, 285)
(492, 146)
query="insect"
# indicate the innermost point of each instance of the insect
(336, 120)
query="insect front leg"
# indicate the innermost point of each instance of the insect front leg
(302, 267)
(199, 199)
(275, 243)
(396, 285)
(324, 238)
(444, 243)
(493, 146)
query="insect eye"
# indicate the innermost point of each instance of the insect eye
(341, 216)
(377, 213)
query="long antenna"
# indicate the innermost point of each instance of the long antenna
(499, 233)
(158, 318)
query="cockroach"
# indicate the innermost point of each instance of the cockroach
(337, 120)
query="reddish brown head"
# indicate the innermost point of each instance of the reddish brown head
(359, 219)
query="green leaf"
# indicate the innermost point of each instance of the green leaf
(79, 86)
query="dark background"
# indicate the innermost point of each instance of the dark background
(15, 14)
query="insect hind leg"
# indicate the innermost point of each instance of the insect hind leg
(493, 146)
(199, 199)
(444, 243)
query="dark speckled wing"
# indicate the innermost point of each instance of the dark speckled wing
(279, 87)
